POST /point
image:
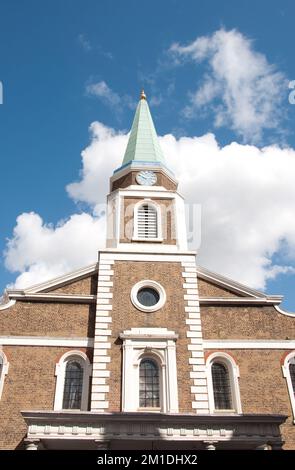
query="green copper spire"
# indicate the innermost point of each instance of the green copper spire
(143, 145)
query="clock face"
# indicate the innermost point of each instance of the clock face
(147, 178)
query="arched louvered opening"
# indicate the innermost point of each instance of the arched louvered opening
(149, 384)
(292, 376)
(147, 222)
(221, 387)
(73, 385)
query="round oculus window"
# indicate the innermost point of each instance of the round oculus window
(148, 296)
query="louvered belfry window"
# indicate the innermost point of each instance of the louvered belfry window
(292, 375)
(147, 222)
(221, 387)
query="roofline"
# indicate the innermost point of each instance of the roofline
(226, 282)
(38, 292)
(139, 165)
(56, 281)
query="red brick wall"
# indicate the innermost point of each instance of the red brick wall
(29, 385)
(171, 316)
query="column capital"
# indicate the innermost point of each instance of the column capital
(102, 445)
(263, 447)
(31, 444)
(210, 445)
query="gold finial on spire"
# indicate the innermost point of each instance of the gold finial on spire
(142, 95)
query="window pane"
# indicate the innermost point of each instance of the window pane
(148, 296)
(221, 387)
(73, 386)
(149, 386)
(292, 375)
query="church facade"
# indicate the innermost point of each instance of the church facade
(145, 349)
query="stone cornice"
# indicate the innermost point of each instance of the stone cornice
(51, 297)
(270, 300)
(257, 428)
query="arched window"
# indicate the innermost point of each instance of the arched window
(3, 370)
(149, 384)
(72, 383)
(289, 374)
(146, 221)
(223, 385)
(292, 375)
(149, 372)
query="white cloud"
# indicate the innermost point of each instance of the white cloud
(84, 42)
(40, 252)
(99, 160)
(109, 97)
(244, 90)
(103, 91)
(247, 197)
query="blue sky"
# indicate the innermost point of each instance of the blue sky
(66, 64)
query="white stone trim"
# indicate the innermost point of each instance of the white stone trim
(4, 370)
(103, 331)
(234, 375)
(148, 283)
(61, 280)
(8, 304)
(129, 255)
(158, 344)
(46, 341)
(248, 431)
(147, 193)
(248, 344)
(152, 247)
(283, 312)
(60, 370)
(286, 374)
(194, 333)
(49, 297)
(270, 300)
(223, 281)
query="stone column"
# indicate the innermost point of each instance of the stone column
(210, 445)
(102, 445)
(263, 447)
(31, 444)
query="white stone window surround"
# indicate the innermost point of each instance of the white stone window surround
(158, 344)
(154, 285)
(289, 359)
(60, 371)
(234, 374)
(4, 366)
(149, 202)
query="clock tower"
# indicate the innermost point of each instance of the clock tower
(148, 347)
